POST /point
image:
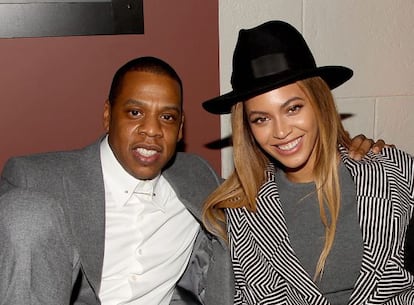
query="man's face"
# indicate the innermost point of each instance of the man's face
(145, 123)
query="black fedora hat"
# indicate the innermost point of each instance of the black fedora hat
(269, 56)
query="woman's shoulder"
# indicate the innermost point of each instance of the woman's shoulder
(393, 157)
(390, 162)
(388, 155)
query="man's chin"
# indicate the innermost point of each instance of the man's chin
(146, 175)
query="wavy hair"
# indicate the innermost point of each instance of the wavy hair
(250, 163)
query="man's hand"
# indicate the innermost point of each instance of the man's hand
(360, 146)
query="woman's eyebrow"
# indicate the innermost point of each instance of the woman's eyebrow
(291, 100)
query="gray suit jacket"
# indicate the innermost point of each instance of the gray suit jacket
(72, 184)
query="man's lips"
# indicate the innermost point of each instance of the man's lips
(146, 152)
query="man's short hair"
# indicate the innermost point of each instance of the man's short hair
(144, 64)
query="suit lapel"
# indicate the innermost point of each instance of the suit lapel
(192, 189)
(84, 190)
(376, 218)
(192, 181)
(276, 245)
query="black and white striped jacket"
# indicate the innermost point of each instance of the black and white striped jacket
(267, 270)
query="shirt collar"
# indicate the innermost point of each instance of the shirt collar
(119, 182)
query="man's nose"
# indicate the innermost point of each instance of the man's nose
(150, 126)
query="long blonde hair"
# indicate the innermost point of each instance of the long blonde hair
(250, 163)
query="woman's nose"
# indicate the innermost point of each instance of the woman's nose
(281, 129)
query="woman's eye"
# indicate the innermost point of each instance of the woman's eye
(295, 108)
(258, 120)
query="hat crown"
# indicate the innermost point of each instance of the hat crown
(269, 49)
(269, 56)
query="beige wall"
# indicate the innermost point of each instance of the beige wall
(373, 37)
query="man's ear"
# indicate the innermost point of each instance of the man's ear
(180, 132)
(107, 116)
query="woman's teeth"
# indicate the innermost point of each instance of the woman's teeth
(290, 145)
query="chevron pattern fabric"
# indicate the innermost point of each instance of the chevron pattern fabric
(267, 271)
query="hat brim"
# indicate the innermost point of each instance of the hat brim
(334, 76)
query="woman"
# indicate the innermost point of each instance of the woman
(305, 223)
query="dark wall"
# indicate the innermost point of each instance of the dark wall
(53, 89)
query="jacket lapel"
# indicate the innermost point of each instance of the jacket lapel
(192, 189)
(193, 180)
(84, 190)
(376, 218)
(276, 247)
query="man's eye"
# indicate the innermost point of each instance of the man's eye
(168, 117)
(134, 112)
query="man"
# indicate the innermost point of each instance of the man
(117, 222)
(102, 223)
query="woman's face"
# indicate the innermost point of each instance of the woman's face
(284, 125)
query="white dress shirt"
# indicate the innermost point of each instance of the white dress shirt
(149, 237)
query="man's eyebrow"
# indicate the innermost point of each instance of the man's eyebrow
(133, 102)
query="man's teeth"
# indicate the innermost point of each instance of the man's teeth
(146, 152)
(289, 145)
